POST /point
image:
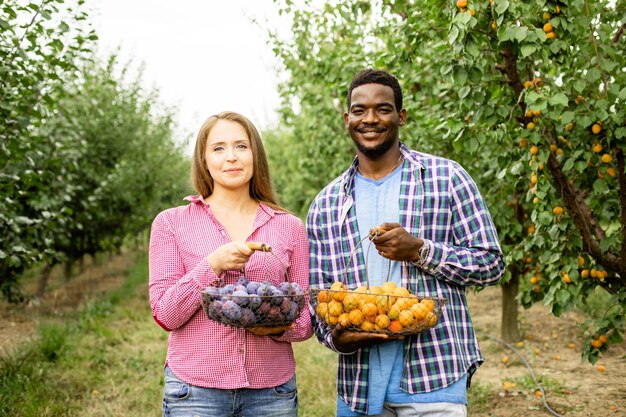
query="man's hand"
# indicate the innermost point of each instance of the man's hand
(396, 243)
(347, 341)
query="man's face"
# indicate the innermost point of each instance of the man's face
(372, 119)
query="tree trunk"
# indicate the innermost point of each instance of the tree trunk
(43, 280)
(67, 268)
(509, 329)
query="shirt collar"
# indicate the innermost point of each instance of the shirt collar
(197, 199)
(348, 176)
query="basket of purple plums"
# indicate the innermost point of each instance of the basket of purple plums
(250, 304)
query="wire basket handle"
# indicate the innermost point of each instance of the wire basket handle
(376, 231)
(267, 249)
(258, 246)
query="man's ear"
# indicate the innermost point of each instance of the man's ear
(345, 119)
(402, 115)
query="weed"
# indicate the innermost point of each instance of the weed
(478, 398)
(52, 340)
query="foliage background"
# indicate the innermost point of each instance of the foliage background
(486, 84)
(87, 156)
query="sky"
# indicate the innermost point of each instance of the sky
(204, 56)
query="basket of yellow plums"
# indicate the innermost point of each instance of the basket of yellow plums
(388, 308)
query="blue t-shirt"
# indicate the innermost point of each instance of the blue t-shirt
(376, 202)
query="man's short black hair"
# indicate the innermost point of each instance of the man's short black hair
(374, 76)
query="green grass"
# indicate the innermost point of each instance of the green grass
(316, 370)
(107, 360)
(104, 360)
(478, 398)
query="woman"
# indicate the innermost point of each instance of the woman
(211, 369)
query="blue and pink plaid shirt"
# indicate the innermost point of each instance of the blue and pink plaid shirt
(440, 203)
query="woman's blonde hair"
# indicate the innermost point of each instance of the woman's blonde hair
(261, 188)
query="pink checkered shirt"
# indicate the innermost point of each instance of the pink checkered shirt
(201, 351)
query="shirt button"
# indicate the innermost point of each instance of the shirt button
(242, 350)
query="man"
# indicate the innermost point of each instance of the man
(439, 238)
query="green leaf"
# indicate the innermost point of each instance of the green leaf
(545, 218)
(608, 65)
(502, 6)
(593, 74)
(532, 97)
(505, 34)
(453, 35)
(558, 99)
(579, 85)
(563, 296)
(464, 92)
(569, 164)
(567, 117)
(528, 49)
(517, 168)
(520, 33)
(460, 75)
(557, 309)
(581, 166)
(464, 18)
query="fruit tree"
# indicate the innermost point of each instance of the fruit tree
(528, 96)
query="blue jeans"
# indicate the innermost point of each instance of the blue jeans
(181, 399)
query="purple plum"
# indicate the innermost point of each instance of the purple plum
(252, 287)
(231, 311)
(241, 297)
(242, 281)
(247, 317)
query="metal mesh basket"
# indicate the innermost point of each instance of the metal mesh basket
(250, 304)
(367, 310)
(387, 309)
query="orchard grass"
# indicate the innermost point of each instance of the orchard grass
(104, 360)
(107, 360)
(316, 372)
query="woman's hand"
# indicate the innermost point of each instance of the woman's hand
(270, 331)
(229, 257)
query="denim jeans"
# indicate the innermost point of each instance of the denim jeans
(424, 410)
(181, 399)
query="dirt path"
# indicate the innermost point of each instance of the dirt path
(18, 322)
(572, 388)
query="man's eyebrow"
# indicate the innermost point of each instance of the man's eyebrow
(378, 105)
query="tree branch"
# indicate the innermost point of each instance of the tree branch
(595, 48)
(13, 53)
(574, 201)
(585, 222)
(509, 70)
(622, 198)
(619, 33)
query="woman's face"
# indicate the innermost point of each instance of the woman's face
(229, 156)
